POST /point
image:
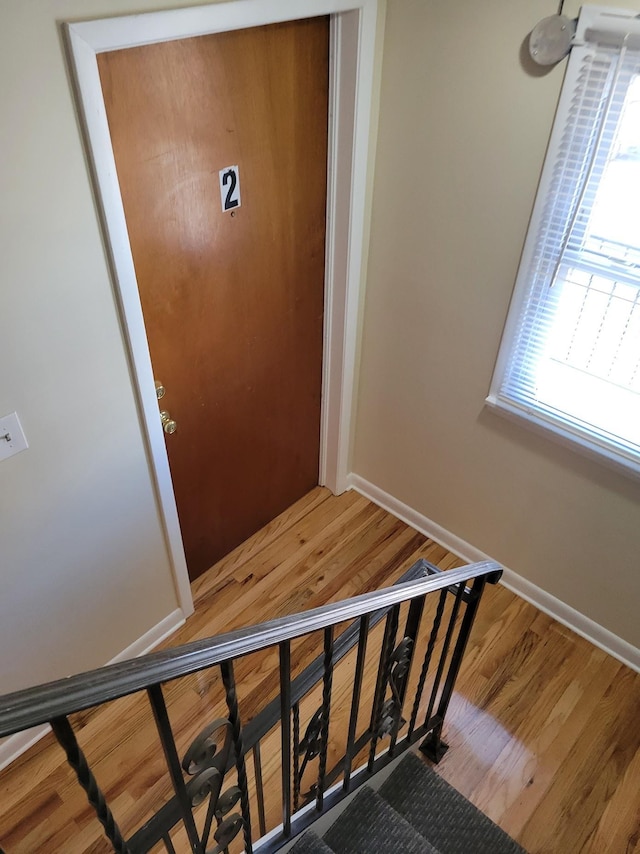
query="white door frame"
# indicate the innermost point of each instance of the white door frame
(354, 26)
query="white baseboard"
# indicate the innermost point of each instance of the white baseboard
(15, 745)
(560, 611)
(151, 639)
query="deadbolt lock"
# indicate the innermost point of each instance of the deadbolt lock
(160, 391)
(168, 424)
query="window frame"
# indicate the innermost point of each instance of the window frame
(534, 416)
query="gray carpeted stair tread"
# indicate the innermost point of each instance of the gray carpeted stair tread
(441, 814)
(311, 844)
(370, 826)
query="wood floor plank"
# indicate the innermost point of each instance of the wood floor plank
(524, 767)
(619, 826)
(575, 800)
(558, 736)
(543, 727)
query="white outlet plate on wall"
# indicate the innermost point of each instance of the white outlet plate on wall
(12, 438)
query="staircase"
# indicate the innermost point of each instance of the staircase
(414, 812)
(265, 766)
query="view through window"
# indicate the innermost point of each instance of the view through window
(591, 363)
(569, 361)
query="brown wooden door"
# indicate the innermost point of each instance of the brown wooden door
(232, 302)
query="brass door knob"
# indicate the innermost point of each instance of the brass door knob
(160, 390)
(168, 424)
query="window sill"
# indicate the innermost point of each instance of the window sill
(593, 447)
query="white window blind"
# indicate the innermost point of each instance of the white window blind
(570, 357)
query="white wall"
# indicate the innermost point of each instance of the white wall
(464, 122)
(84, 570)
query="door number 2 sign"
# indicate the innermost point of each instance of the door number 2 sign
(230, 188)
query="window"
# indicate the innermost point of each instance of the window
(570, 356)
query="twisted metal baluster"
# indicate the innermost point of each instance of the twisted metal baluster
(168, 844)
(285, 733)
(257, 763)
(427, 660)
(326, 711)
(392, 710)
(411, 630)
(163, 725)
(77, 760)
(229, 682)
(384, 668)
(296, 756)
(433, 745)
(208, 822)
(355, 699)
(445, 651)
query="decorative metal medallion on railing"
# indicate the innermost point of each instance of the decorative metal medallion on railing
(392, 719)
(322, 731)
(207, 761)
(308, 748)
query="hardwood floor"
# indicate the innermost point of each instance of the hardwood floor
(544, 729)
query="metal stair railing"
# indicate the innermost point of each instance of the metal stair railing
(213, 818)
